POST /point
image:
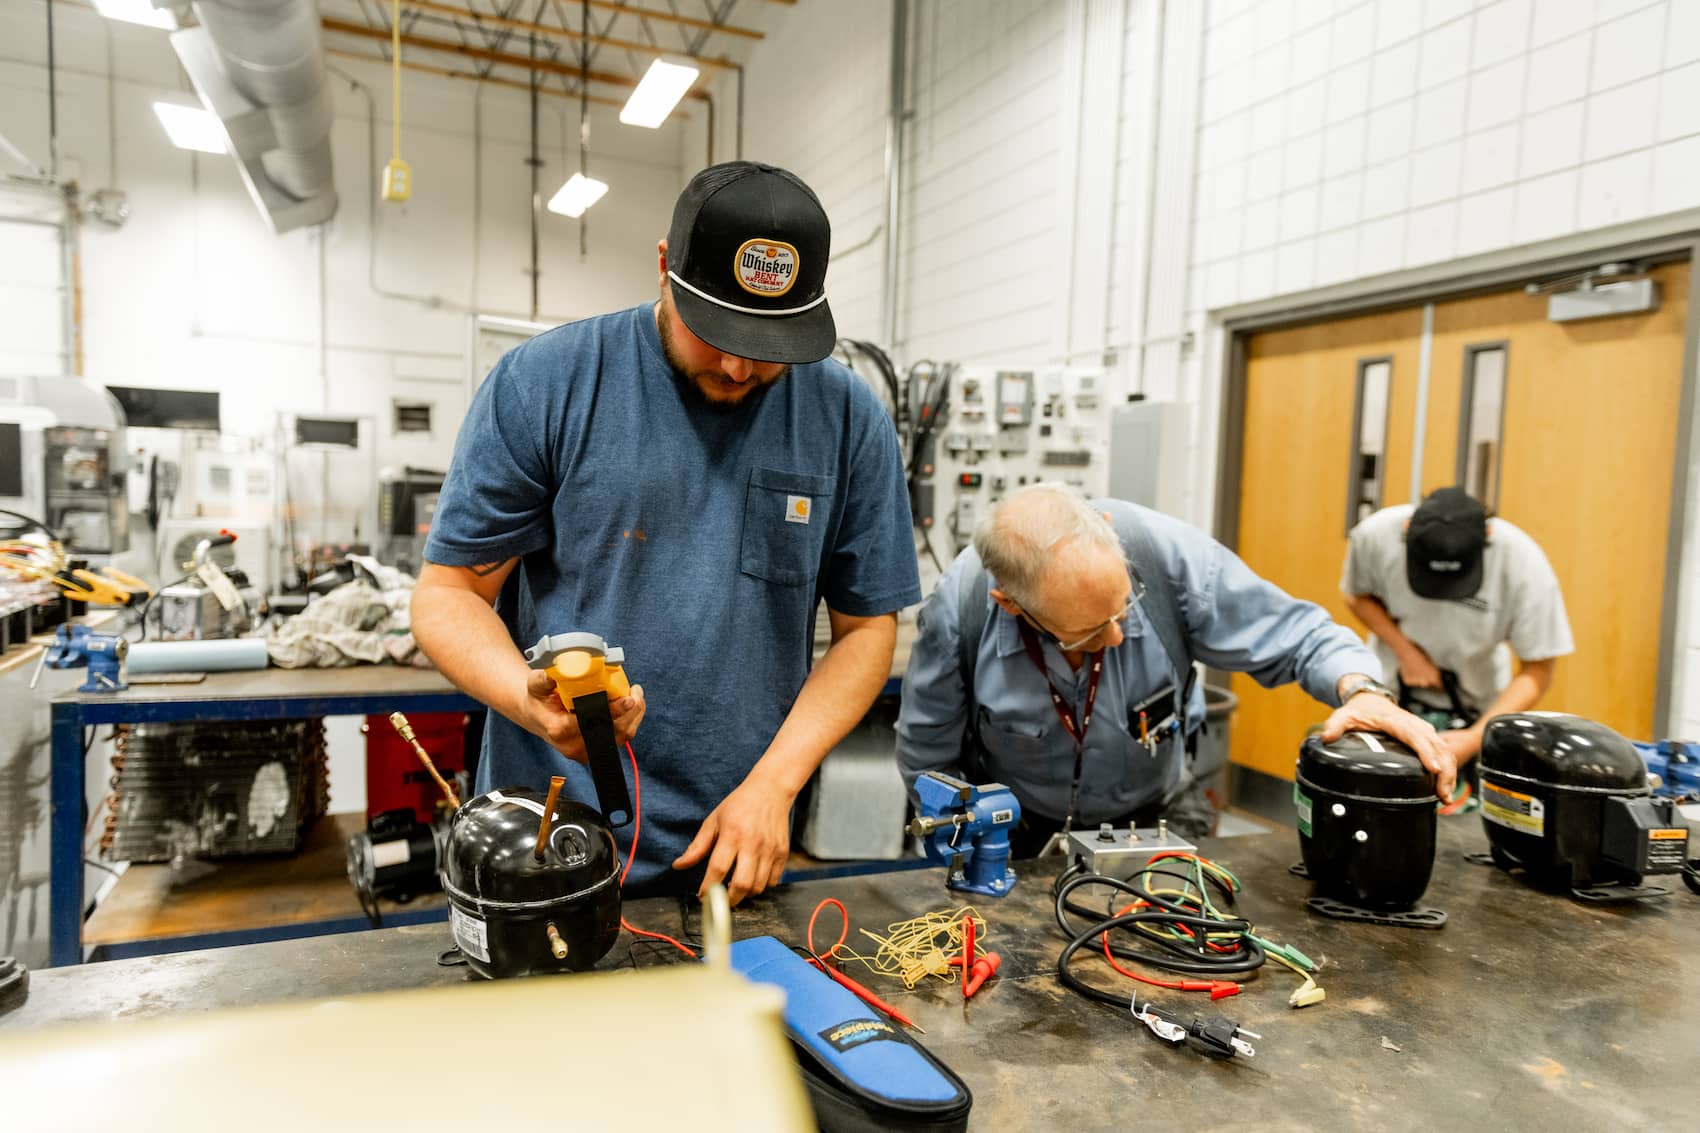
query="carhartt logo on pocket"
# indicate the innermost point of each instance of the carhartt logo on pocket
(796, 509)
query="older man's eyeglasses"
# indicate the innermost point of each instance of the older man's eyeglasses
(1098, 631)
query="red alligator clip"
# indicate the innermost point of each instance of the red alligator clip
(984, 969)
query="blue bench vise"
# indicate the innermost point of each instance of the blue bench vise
(966, 828)
(76, 647)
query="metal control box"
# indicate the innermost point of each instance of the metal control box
(1121, 851)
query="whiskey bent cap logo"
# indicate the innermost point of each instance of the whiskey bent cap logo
(765, 267)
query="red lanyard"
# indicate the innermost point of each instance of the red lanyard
(1076, 731)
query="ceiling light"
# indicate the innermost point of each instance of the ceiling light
(136, 12)
(663, 85)
(191, 127)
(578, 194)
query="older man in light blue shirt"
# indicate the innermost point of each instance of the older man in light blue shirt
(1069, 649)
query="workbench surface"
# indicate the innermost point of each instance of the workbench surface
(1526, 1009)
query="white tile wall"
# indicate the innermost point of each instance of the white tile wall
(1628, 48)
(1615, 190)
(1682, 36)
(1676, 176)
(1546, 208)
(1490, 159)
(1496, 94)
(1558, 73)
(1679, 102)
(1552, 140)
(1483, 220)
(1557, 19)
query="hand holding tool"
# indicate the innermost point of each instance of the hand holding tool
(589, 674)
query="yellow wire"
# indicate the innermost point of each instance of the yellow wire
(395, 79)
(922, 947)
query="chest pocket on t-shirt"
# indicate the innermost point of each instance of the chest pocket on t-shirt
(783, 534)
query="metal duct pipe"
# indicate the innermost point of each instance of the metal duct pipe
(894, 168)
(272, 52)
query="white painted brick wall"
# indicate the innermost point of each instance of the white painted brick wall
(1586, 112)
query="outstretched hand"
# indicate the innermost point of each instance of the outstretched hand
(749, 835)
(1372, 712)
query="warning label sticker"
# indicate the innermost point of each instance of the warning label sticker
(1301, 804)
(1508, 808)
(469, 934)
(1667, 849)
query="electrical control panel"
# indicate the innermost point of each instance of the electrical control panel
(1011, 426)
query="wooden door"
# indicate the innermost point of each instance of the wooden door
(1586, 456)
(1301, 390)
(1588, 450)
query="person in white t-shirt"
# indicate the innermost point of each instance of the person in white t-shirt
(1443, 590)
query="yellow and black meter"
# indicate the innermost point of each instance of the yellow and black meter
(590, 675)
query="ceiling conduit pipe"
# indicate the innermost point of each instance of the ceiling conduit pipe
(260, 66)
(894, 169)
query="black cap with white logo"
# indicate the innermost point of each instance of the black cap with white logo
(746, 263)
(1444, 545)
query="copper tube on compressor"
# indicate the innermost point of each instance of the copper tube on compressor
(405, 730)
(556, 782)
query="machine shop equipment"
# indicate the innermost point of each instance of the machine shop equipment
(1566, 803)
(1366, 817)
(406, 502)
(63, 459)
(211, 602)
(966, 828)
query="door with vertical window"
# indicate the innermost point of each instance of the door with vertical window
(1328, 427)
(1567, 430)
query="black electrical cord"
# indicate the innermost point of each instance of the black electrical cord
(32, 521)
(1186, 951)
(142, 617)
(927, 542)
(1188, 938)
(887, 372)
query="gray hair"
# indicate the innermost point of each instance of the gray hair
(1019, 536)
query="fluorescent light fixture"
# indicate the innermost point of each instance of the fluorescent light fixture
(663, 85)
(578, 194)
(135, 12)
(191, 127)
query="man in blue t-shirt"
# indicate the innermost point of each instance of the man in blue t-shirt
(687, 479)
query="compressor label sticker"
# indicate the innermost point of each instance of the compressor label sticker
(1510, 809)
(1301, 804)
(854, 1032)
(469, 934)
(1667, 849)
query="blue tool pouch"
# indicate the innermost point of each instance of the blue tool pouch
(863, 1071)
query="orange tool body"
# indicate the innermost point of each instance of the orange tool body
(589, 675)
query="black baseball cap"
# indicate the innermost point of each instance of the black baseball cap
(746, 263)
(1444, 545)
